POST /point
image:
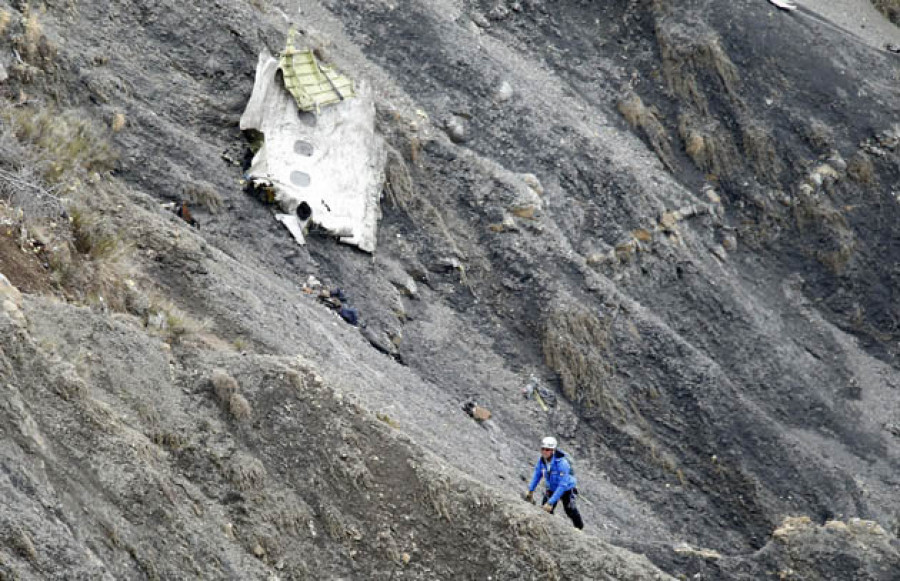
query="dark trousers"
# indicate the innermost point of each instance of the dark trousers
(568, 502)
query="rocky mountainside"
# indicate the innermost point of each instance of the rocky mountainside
(679, 217)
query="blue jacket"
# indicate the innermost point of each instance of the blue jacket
(557, 476)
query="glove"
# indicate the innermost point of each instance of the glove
(529, 496)
(548, 508)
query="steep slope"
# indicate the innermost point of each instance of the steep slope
(680, 216)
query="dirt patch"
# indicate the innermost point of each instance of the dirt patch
(23, 270)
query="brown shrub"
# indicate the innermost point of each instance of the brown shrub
(239, 407)
(861, 169)
(224, 386)
(204, 194)
(819, 135)
(709, 145)
(246, 472)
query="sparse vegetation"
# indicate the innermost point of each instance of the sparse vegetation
(576, 345)
(709, 145)
(890, 8)
(204, 194)
(171, 322)
(5, 18)
(246, 472)
(837, 241)
(118, 122)
(689, 54)
(759, 148)
(819, 135)
(647, 120)
(67, 143)
(861, 169)
(239, 407)
(224, 385)
(31, 44)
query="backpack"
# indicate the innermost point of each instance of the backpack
(571, 462)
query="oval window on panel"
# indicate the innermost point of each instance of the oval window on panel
(300, 178)
(303, 148)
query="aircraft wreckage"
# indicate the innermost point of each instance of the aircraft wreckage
(318, 157)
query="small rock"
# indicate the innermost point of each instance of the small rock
(504, 92)
(837, 162)
(406, 558)
(479, 20)
(446, 264)
(729, 242)
(668, 220)
(719, 251)
(456, 130)
(533, 182)
(259, 551)
(642, 235)
(499, 12)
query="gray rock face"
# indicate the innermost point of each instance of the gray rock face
(702, 276)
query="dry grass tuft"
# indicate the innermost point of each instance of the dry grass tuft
(819, 136)
(890, 8)
(759, 148)
(68, 142)
(402, 194)
(24, 546)
(169, 440)
(204, 194)
(32, 45)
(861, 169)
(5, 18)
(647, 119)
(688, 53)
(576, 345)
(837, 241)
(118, 122)
(246, 472)
(70, 387)
(399, 184)
(93, 234)
(224, 385)
(709, 145)
(239, 407)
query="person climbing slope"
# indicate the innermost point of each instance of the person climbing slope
(555, 469)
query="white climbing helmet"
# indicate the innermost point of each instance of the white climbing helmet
(549, 442)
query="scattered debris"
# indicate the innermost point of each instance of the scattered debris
(708, 554)
(182, 211)
(533, 390)
(336, 300)
(784, 5)
(529, 388)
(476, 412)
